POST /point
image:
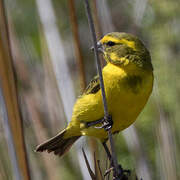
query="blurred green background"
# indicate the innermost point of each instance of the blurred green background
(43, 48)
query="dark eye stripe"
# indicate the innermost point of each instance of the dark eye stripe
(111, 43)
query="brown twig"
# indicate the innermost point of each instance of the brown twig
(99, 167)
(93, 176)
(77, 47)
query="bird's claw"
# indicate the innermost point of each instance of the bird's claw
(107, 123)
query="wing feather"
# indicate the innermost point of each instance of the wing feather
(93, 87)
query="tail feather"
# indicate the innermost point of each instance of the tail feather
(58, 144)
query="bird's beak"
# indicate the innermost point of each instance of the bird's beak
(99, 47)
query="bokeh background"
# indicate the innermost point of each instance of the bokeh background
(52, 60)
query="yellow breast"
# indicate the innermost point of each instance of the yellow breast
(127, 90)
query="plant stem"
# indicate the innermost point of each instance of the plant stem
(98, 64)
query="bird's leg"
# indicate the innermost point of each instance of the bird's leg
(92, 123)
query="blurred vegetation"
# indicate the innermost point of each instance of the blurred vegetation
(157, 23)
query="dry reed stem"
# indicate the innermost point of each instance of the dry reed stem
(10, 94)
(78, 53)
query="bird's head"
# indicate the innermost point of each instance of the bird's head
(123, 49)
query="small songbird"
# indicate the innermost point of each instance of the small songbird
(128, 80)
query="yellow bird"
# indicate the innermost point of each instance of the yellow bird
(128, 81)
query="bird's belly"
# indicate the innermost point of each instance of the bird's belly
(127, 99)
(125, 111)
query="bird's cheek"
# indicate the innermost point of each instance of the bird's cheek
(117, 59)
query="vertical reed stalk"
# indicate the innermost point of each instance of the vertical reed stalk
(78, 53)
(8, 84)
(165, 137)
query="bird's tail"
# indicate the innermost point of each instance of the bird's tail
(59, 144)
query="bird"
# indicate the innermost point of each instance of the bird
(128, 81)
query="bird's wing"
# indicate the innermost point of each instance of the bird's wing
(93, 87)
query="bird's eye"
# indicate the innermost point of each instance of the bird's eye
(110, 43)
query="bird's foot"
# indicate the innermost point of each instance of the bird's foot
(107, 123)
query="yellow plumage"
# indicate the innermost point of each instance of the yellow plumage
(128, 80)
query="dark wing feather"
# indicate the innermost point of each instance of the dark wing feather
(93, 87)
